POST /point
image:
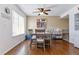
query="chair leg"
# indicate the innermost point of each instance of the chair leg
(37, 45)
(30, 44)
(44, 47)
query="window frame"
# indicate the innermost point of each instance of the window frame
(18, 16)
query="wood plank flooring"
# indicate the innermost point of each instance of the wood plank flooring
(58, 47)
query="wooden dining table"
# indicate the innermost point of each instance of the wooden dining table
(46, 36)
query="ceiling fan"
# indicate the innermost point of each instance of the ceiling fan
(41, 11)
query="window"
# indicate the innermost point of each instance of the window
(17, 24)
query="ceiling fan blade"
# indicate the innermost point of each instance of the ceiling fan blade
(47, 10)
(45, 13)
(41, 9)
(39, 14)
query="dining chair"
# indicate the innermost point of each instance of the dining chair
(40, 38)
(33, 40)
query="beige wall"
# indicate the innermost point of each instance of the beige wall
(52, 21)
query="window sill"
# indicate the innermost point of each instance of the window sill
(18, 35)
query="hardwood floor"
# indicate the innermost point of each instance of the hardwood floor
(59, 47)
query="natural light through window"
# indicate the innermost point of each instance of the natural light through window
(17, 24)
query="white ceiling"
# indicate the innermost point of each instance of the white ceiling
(57, 9)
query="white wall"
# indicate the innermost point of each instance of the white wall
(73, 34)
(7, 42)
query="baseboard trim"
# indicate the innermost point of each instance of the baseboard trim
(13, 47)
(68, 42)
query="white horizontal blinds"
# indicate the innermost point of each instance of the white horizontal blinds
(17, 23)
(21, 24)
